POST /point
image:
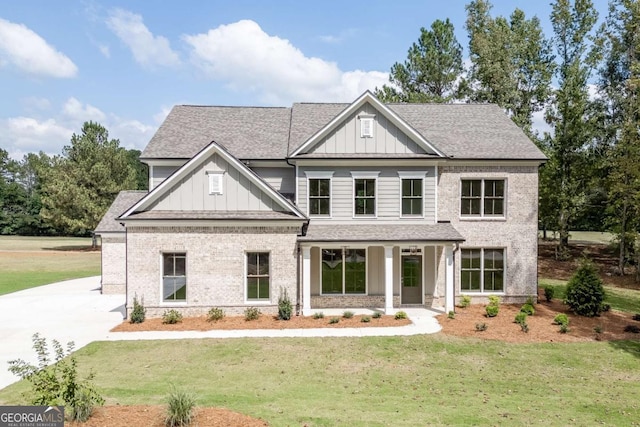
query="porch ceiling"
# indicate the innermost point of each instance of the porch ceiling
(440, 232)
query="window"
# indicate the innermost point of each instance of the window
(320, 197)
(174, 277)
(412, 197)
(482, 197)
(366, 127)
(365, 197)
(215, 182)
(258, 276)
(344, 271)
(482, 270)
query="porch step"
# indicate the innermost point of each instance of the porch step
(412, 306)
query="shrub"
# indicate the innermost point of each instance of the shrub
(215, 314)
(585, 292)
(521, 318)
(365, 319)
(564, 328)
(605, 307)
(451, 314)
(531, 300)
(465, 301)
(251, 313)
(492, 310)
(171, 317)
(318, 315)
(285, 308)
(180, 406)
(480, 327)
(348, 314)
(525, 327)
(376, 315)
(636, 317)
(138, 313)
(56, 382)
(400, 315)
(528, 308)
(549, 291)
(334, 320)
(494, 300)
(632, 328)
(561, 319)
(598, 329)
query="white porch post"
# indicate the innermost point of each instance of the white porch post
(449, 292)
(306, 281)
(388, 280)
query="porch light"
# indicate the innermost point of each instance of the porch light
(413, 249)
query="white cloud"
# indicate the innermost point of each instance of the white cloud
(29, 52)
(148, 50)
(27, 134)
(104, 50)
(249, 59)
(75, 111)
(34, 103)
(338, 38)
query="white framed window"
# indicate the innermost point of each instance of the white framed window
(366, 125)
(412, 194)
(365, 193)
(258, 276)
(483, 198)
(174, 277)
(343, 271)
(319, 193)
(215, 182)
(482, 270)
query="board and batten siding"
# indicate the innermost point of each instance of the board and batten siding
(387, 137)
(160, 173)
(191, 193)
(281, 179)
(388, 191)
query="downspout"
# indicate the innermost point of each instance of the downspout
(298, 287)
(126, 270)
(456, 247)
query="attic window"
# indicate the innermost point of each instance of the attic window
(366, 125)
(215, 182)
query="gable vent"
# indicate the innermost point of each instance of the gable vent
(215, 182)
(366, 125)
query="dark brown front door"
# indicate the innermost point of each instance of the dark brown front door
(411, 279)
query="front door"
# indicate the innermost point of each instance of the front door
(411, 279)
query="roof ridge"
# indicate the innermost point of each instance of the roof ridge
(233, 106)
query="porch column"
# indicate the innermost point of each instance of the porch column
(388, 280)
(449, 292)
(306, 281)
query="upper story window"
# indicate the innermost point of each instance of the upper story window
(482, 197)
(364, 193)
(366, 125)
(319, 186)
(411, 193)
(215, 182)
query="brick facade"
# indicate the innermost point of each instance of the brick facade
(113, 262)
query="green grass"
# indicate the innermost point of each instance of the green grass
(620, 299)
(26, 262)
(399, 381)
(585, 236)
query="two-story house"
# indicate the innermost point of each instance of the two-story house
(341, 205)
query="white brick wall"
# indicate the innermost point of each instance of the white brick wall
(113, 263)
(215, 266)
(517, 233)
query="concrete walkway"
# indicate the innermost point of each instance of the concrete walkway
(75, 310)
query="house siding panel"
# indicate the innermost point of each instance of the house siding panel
(281, 179)
(160, 173)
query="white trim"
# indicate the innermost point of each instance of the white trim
(343, 248)
(449, 290)
(150, 177)
(436, 181)
(306, 280)
(482, 216)
(364, 175)
(245, 272)
(504, 270)
(388, 279)
(319, 174)
(297, 185)
(186, 278)
(389, 114)
(412, 175)
(324, 176)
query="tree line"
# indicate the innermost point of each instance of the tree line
(67, 194)
(584, 78)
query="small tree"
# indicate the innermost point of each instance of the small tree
(585, 292)
(285, 308)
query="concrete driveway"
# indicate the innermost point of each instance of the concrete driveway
(67, 311)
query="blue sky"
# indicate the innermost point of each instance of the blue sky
(126, 63)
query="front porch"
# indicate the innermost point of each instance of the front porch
(383, 266)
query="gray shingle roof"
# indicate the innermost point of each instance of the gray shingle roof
(466, 131)
(222, 215)
(124, 200)
(441, 232)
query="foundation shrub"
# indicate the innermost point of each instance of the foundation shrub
(285, 308)
(252, 313)
(549, 292)
(348, 314)
(528, 308)
(400, 315)
(376, 315)
(561, 319)
(215, 314)
(585, 292)
(139, 313)
(171, 317)
(521, 318)
(465, 301)
(492, 310)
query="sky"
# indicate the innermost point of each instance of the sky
(125, 64)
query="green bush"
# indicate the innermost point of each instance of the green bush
(334, 320)
(564, 328)
(400, 315)
(138, 313)
(531, 300)
(636, 316)
(215, 314)
(251, 313)
(376, 315)
(451, 314)
(598, 329)
(528, 308)
(632, 328)
(525, 327)
(180, 406)
(171, 317)
(480, 327)
(365, 319)
(549, 291)
(285, 308)
(318, 315)
(585, 292)
(561, 319)
(465, 301)
(494, 300)
(55, 382)
(521, 318)
(605, 307)
(492, 310)
(348, 314)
